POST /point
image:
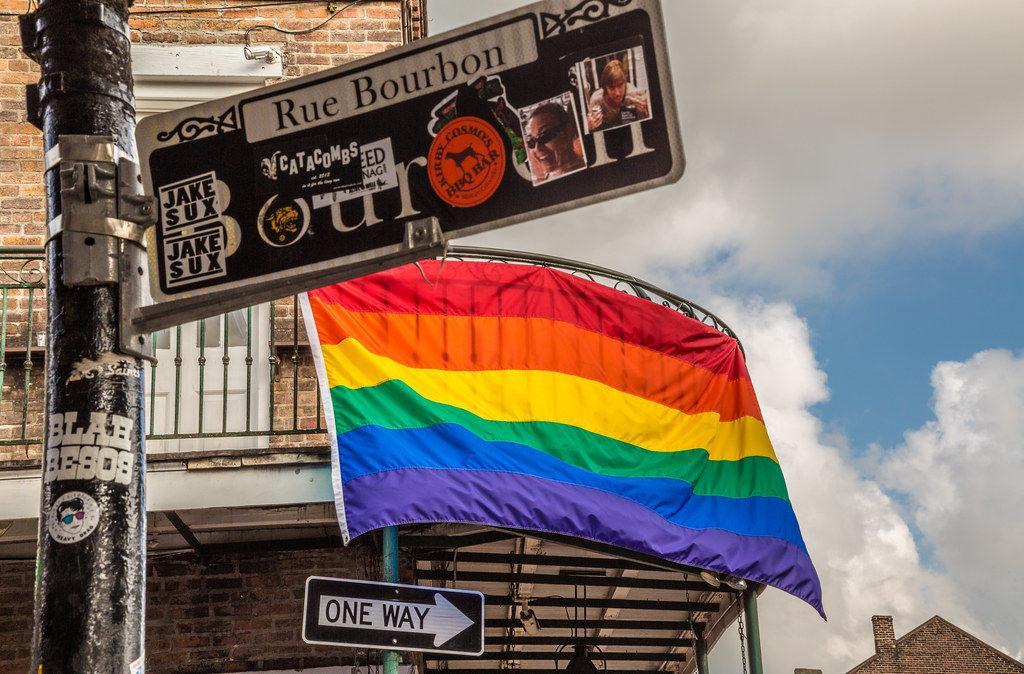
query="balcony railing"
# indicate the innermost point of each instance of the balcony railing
(22, 338)
(238, 381)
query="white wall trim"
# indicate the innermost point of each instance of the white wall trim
(168, 77)
(177, 488)
(160, 96)
(223, 62)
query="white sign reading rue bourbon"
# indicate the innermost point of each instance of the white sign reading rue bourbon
(376, 163)
(486, 53)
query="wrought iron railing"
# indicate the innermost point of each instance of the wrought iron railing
(265, 350)
(610, 277)
(243, 380)
(22, 339)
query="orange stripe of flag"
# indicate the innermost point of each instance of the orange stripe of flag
(514, 343)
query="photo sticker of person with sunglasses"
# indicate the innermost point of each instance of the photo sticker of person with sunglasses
(554, 147)
(73, 517)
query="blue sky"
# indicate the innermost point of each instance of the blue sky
(945, 302)
(853, 205)
(948, 300)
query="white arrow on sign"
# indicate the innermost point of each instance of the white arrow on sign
(441, 618)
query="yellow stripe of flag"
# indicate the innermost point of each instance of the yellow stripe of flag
(540, 395)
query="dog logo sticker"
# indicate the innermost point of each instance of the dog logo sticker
(466, 162)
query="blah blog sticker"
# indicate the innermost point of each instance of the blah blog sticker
(467, 162)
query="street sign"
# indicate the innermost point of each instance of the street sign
(552, 106)
(395, 617)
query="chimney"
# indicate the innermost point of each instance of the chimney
(885, 636)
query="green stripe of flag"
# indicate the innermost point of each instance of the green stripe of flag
(393, 404)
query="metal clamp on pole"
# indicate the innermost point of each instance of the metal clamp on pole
(102, 223)
(100, 190)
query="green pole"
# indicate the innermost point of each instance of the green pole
(389, 571)
(701, 651)
(753, 630)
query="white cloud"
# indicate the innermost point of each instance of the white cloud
(859, 537)
(817, 132)
(820, 133)
(962, 476)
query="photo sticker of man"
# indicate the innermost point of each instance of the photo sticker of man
(552, 136)
(615, 89)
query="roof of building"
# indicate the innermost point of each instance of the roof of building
(908, 638)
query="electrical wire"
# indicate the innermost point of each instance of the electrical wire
(267, 26)
(252, 5)
(190, 10)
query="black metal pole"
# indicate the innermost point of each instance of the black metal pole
(90, 581)
(700, 651)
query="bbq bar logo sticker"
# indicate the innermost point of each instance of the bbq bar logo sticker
(73, 516)
(467, 162)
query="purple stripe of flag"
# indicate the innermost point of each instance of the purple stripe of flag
(410, 496)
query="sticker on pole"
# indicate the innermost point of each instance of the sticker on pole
(397, 617)
(306, 182)
(73, 517)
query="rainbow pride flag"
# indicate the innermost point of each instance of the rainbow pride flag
(518, 396)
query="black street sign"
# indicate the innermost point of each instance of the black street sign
(552, 106)
(395, 617)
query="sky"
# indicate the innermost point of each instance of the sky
(853, 206)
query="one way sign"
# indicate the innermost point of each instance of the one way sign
(397, 617)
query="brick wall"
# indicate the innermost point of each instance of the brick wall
(366, 28)
(309, 411)
(229, 612)
(21, 145)
(16, 615)
(219, 613)
(12, 409)
(935, 646)
(292, 347)
(16, 333)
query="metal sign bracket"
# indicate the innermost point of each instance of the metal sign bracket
(424, 238)
(100, 190)
(423, 233)
(133, 269)
(103, 219)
